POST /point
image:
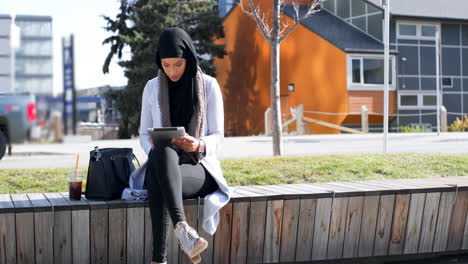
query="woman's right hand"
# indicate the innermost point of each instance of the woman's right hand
(151, 142)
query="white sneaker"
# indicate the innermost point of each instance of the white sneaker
(189, 241)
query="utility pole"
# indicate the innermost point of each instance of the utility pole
(438, 78)
(386, 4)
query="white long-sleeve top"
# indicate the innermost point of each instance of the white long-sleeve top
(213, 137)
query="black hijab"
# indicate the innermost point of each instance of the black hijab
(176, 43)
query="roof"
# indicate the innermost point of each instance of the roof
(442, 9)
(338, 32)
(27, 17)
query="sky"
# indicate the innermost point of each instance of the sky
(83, 18)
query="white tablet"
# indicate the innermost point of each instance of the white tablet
(164, 134)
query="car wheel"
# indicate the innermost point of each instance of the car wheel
(3, 143)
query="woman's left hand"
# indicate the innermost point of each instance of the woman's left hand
(187, 143)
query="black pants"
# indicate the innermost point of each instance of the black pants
(168, 183)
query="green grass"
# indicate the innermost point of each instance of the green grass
(263, 171)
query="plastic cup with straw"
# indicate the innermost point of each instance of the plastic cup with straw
(75, 182)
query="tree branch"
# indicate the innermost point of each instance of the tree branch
(298, 19)
(262, 25)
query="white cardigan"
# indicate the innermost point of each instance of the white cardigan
(213, 137)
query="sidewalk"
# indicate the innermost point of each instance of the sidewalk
(64, 155)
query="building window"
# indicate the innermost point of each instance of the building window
(409, 30)
(366, 72)
(428, 30)
(429, 100)
(35, 28)
(356, 71)
(447, 82)
(374, 71)
(417, 101)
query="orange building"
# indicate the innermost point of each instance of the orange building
(334, 66)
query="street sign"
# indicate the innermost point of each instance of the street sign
(69, 103)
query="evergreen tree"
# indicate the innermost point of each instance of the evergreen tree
(138, 26)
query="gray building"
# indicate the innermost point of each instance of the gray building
(33, 59)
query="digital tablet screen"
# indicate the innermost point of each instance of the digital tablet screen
(164, 134)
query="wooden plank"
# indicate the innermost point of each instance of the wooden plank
(207, 255)
(99, 235)
(289, 230)
(99, 227)
(457, 226)
(415, 214)
(398, 231)
(62, 228)
(118, 241)
(80, 237)
(368, 225)
(305, 233)
(7, 230)
(353, 227)
(76, 204)
(191, 217)
(330, 125)
(337, 228)
(148, 236)
(222, 237)
(80, 230)
(135, 235)
(24, 229)
(384, 223)
(465, 236)
(321, 229)
(431, 210)
(43, 231)
(240, 232)
(274, 217)
(256, 233)
(447, 200)
(173, 245)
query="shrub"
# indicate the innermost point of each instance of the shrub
(412, 129)
(459, 125)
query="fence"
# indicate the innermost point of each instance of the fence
(303, 128)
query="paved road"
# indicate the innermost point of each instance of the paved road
(64, 155)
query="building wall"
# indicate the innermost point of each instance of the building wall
(5, 63)
(373, 100)
(417, 74)
(33, 59)
(316, 67)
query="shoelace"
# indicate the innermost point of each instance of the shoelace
(188, 235)
(191, 233)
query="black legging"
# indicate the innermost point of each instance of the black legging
(168, 183)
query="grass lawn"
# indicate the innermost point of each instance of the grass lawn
(263, 171)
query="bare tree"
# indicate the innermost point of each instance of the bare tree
(275, 30)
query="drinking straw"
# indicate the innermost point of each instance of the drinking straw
(76, 170)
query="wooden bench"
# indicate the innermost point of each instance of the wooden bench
(261, 224)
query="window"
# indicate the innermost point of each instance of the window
(447, 82)
(429, 100)
(366, 72)
(417, 100)
(409, 100)
(407, 30)
(356, 71)
(410, 30)
(374, 71)
(428, 31)
(35, 28)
